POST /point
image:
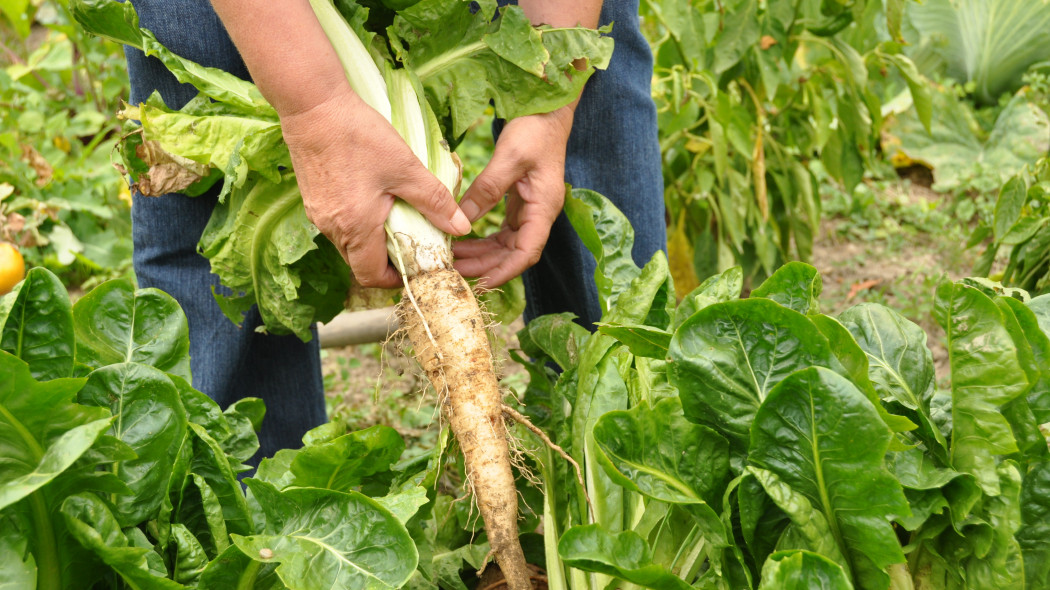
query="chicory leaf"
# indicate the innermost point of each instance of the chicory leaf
(1034, 534)
(623, 555)
(190, 559)
(95, 527)
(717, 289)
(899, 364)
(147, 416)
(727, 357)
(796, 285)
(263, 248)
(343, 463)
(608, 235)
(657, 452)
(116, 323)
(644, 341)
(325, 539)
(36, 325)
(119, 22)
(802, 570)
(820, 435)
(556, 336)
(42, 430)
(213, 466)
(985, 374)
(465, 59)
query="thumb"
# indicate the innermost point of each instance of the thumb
(421, 189)
(489, 187)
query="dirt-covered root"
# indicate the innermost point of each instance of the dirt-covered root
(460, 369)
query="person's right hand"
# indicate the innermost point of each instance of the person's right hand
(351, 164)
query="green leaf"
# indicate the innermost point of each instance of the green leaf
(119, 22)
(899, 364)
(557, 336)
(190, 559)
(985, 374)
(988, 42)
(42, 430)
(824, 439)
(716, 289)
(808, 522)
(226, 142)
(802, 570)
(92, 523)
(622, 555)
(796, 285)
(276, 259)
(465, 59)
(342, 463)
(325, 539)
(147, 416)
(200, 511)
(606, 232)
(727, 357)
(17, 564)
(1034, 534)
(36, 325)
(918, 87)
(210, 462)
(657, 452)
(761, 521)
(116, 323)
(960, 153)
(234, 569)
(405, 504)
(1009, 205)
(644, 341)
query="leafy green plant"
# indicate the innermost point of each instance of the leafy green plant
(730, 443)
(117, 473)
(984, 44)
(1021, 222)
(748, 93)
(59, 200)
(965, 152)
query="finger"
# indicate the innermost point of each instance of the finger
(368, 261)
(476, 248)
(518, 251)
(494, 181)
(421, 189)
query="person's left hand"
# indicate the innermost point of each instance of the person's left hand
(528, 165)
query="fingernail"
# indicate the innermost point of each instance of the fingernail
(460, 223)
(470, 209)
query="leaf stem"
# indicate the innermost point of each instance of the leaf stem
(49, 573)
(247, 579)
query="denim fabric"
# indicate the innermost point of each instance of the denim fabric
(228, 363)
(613, 150)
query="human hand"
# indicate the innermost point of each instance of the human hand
(528, 165)
(350, 164)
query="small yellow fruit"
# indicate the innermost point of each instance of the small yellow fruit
(12, 267)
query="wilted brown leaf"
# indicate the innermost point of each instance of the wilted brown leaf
(43, 169)
(168, 173)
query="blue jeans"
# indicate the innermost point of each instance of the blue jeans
(613, 149)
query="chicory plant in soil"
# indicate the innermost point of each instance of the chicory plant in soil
(117, 473)
(758, 443)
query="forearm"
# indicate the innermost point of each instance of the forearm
(560, 13)
(287, 53)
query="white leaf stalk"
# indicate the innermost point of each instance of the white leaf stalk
(413, 243)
